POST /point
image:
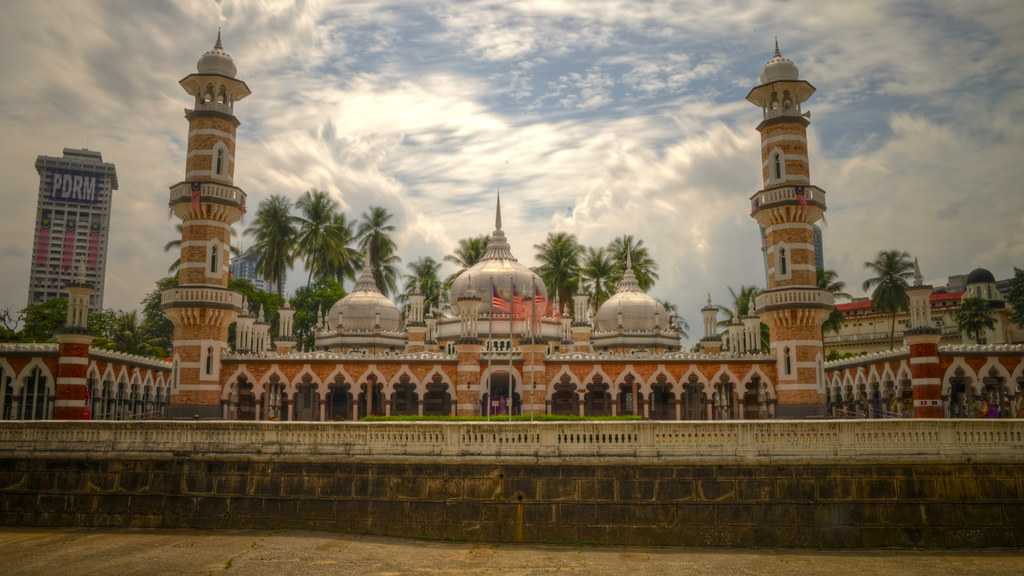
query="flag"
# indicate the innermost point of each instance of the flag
(801, 197)
(517, 303)
(196, 187)
(498, 304)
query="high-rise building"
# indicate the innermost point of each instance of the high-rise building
(819, 248)
(244, 267)
(72, 224)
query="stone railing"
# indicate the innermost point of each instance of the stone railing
(898, 353)
(839, 441)
(789, 296)
(116, 356)
(787, 195)
(188, 295)
(28, 347)
(208, 191)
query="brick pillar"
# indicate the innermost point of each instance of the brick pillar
(71, 390)
(533, 389)
(467, 386)
(925, 374)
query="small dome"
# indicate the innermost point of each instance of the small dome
(980, 276)
(779, 68)
(497, 270)
(359, 310)
(640, 312)
(217, 61)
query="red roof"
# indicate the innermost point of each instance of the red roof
(865, 304)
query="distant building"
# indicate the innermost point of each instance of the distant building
(72, 224)
(244, 267)
(819, 248)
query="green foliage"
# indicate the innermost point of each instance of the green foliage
(423, 278)
(599, 271)
(469, 251)
(275, 232)
(517, 418)
(559, 257)
(42, 320)
(1015, 297)
(323, 239)
(974, 317)
(374, 231)
(828, 280)
(157, 327)
(644, 267)
(266, 304)
(892, 271)
(311, 305)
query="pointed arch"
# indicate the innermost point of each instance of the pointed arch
(403, 370)
(27, 369)
(371, 369)
(93, 371)
(563, 371)
(724, 369)
(756, 370)
(260, 386)
(232, 381)
(660, 370)
(436, 370)
(339, 370)
(860, 383)
(306, 370)
(888, 375)
(692, 370)
(873, 374)
(958, 362)
(1018, 372)
(516, 375)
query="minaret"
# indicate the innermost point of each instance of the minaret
(922, 338)
(208, 203)
(73, 342)
(786, 208)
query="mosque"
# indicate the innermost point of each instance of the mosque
(504, 346)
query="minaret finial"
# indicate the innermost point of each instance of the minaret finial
(497, 212)
(218, 45)
(778, 53)
(629, 258)
(918, 277)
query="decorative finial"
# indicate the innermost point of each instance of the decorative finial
(497, 213)
(709, 298)
(778, 53)
(218, 45)
(918, 277)
(629, 258)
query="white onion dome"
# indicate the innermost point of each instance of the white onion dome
(217, 61)
(497, 270)
(639, 311)
(362, 308)
(779, 68)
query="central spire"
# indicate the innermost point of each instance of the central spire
(366, 282)
(218, 45)
(628, 283)
(778, 53)
(497, 245)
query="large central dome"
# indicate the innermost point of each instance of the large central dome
(498, 270)
(630, 309)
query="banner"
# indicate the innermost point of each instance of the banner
(74, 186)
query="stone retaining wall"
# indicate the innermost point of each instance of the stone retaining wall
(829, 500)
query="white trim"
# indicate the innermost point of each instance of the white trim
(782, 138)
(70, 380)
(925, 381)
(210, 132)
(924, 360)
(814, 343)
(788, 226)
(198, 222)
(794, 246)
(73, 360)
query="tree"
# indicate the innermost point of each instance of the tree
(42, 320)
(681, 325)
(158, 328)
(275, 232)
(892, 271)
(175, 245)
(323, 237)
(375, 230)
(828, 280)
(559, 266)
(469, 251)
(311, 305)
(598, 271)
(974, 317)
(644, 267)
(128, 336)
(422, 278)
(741, 306)
(1015, 297)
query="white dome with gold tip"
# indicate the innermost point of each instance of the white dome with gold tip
(637, 311)
(365, 308)
(217, 61)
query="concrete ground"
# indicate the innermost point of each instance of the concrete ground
(79, 551)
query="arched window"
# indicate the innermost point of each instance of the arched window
(787, 362)
(34, 397)
(213, 259)
(783, 264)
(6, 396)
(778, 166)
(209, 360)
(219, 166)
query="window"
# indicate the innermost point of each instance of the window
(783, 265)
(787, 362)
(213, 259)
(6, 396)
(219, 168)
(34, 397)
(209, 360)
(778, 166)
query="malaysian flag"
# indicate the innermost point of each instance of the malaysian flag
(498, 304)
(801, 196)
(517, 303)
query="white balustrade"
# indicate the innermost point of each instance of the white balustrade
(202, 295)
(785, 296)
(208, 190)
(809, 194)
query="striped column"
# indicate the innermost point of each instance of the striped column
(71, 387)
(925, 373)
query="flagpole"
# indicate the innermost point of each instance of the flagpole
(511, 387)
(533, 335)
(490, 335)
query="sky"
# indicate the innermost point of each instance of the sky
(596, 118)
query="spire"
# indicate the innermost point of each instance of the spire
(918, 277)
(218, 45)
(629, 259)
(628, 283)
(497, 212)
(778, 53)
(365, 282)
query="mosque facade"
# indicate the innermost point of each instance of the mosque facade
(505, 346)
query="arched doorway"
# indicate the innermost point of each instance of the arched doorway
(404, 399)
(630, 398)
(564, 399)
(694, 399)
(246, 400)
(996, 399)
(959, 402)
(724, 398)
(501, 395)
(597, 400)
(755, 399)
(377, 399)
(275, 403)
(663, 399)
(339, 399)
(437, 401)
(306, 403)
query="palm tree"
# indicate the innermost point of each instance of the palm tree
(644, 267)
(469, 251)
(741, 306)
(128, 335)
(275, 232)
(597, 272)
(828, 280)
(375, 229)
(681, 324)
(323, 237)
(175, 245)
(892, 270)
(559, 264)
(974, 317)
(422, 278)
